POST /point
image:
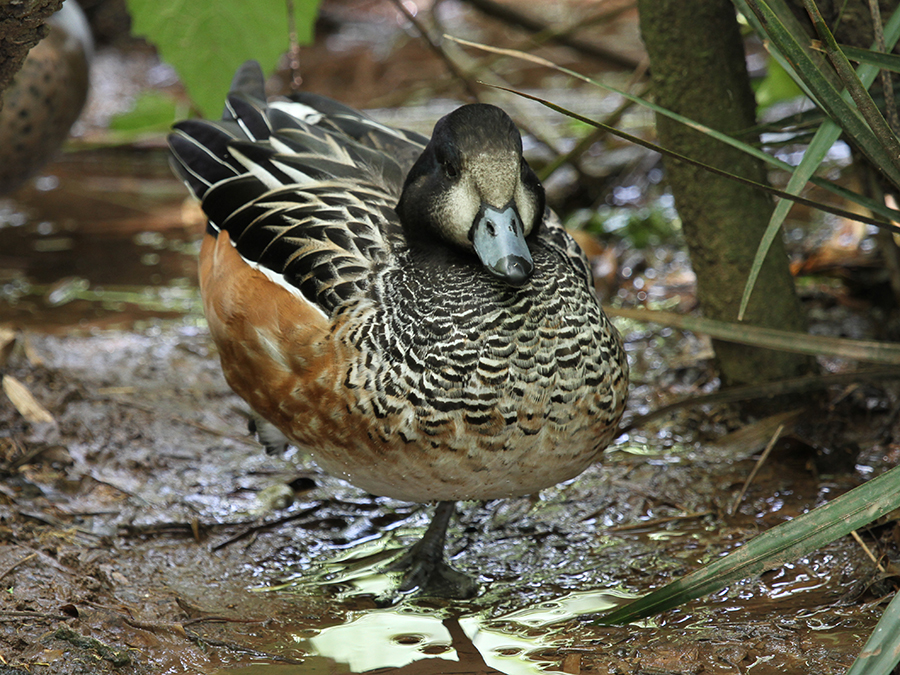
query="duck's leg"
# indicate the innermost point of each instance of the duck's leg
(268, 434)
(424, 561)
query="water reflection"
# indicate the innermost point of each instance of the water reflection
(416, 640)
(386, 639)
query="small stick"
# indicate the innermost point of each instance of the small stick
(867, 550)
(16, 564)
(762, 458)
(5, 615)
(437, 49)
(294, 51)
(658, 521)
(253, 529)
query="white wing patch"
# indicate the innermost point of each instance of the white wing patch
(255, 169)
(299, 111)
(279, 279)
(295, 174)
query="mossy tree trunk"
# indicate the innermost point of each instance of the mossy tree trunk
(22, 26)
(698, 70)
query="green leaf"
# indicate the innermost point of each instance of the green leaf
(206, 40)
(887, 142)
(782, 544)
(824, 138)
(152, 111)
(786, 16)
(880, 60)
(882, 650)
(828, 96)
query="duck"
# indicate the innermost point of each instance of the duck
(406, 309)
(45, 97)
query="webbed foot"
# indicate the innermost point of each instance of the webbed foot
(426, 569)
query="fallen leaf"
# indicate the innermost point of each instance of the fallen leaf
(7, 343)
(572, 664)
(48, 656)
(25, 403)
(31, 353)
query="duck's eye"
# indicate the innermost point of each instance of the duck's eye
(450, 169)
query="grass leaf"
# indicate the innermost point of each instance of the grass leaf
(824, 138)
(826, 94)
(880, 60)
(887, 140)
(771, 338)
(882, 650)
(782, 544)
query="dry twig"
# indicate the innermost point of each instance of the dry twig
(17, 563)
(762, 460)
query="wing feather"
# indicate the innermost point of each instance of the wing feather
(305, 188)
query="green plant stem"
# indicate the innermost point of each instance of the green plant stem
(858, 92)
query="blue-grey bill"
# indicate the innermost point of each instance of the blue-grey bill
(499, 240)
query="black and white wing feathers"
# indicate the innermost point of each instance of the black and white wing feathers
(305, 188)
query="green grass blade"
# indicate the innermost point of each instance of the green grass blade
(827, 95)
(792, 24)
(818, 147)
(882, 650)
(824, 138)
(888, 144)
(880, 60)
(782, 544)
(870, 351)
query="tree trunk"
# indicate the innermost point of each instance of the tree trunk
(22, 26)
(698, 70)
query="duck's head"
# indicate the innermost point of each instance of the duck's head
(472, 189)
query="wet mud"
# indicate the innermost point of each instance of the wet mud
(143, 530)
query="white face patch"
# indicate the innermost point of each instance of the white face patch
(485, 178)
(456, 211)
(526, 205)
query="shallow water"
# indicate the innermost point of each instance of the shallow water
(101, 239)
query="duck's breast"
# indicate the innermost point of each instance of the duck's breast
(458, 386)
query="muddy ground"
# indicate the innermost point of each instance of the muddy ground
(140, 525)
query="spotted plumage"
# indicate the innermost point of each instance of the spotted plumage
(405, 309)
(45, 97)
